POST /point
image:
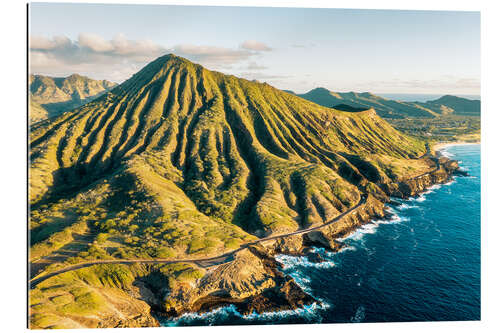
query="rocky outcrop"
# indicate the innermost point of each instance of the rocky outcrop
(252, 282)
(104, 308)
(410, 187)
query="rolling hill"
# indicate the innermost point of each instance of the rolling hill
(392, 109)
(57, 95)
(182, 162)
(449, 104)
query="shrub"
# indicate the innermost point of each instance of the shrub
(165, 252)
(102, 237)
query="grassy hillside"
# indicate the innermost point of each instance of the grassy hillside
(57, 95)
(454, 105)
(447, 118)
(183, 162)
(385, 107)
(36, 112)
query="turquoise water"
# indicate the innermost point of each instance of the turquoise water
(422, 264)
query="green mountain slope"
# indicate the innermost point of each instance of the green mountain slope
(385, 107)
(455, 105)
(182, 162)
(202, 148)
(57, 95)
(392, 109)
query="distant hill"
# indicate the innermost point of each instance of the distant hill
(388, 108)
(56, 95)
(456, 105)
(37, 112)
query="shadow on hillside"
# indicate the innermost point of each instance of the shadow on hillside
(349, 108)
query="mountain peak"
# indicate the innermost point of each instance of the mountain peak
(158, 68)
(76, 76)
(319, 90)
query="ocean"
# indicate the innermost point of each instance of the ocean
(422, 264)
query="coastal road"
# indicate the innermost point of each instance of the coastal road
(199, 261)
(204, 262)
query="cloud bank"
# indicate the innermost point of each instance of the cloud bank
(118, 58)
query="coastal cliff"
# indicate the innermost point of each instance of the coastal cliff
(253, 282)
(410, 187)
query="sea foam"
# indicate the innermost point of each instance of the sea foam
(372, 227)
(310, 311)
(289, 262)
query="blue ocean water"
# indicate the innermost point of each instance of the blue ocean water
(422, 264)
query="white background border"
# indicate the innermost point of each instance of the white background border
(13, 164)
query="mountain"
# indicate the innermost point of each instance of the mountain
(388, 108)
(37, 112)
(180, 162)
(456, 105)
(57, 95)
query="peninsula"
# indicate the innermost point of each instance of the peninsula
(173, 191)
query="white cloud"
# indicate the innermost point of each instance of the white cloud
(43, 43)
(254, 66)
(212, 55)
(92, 55)
(95, 42)
(118, 58)
(254, 45)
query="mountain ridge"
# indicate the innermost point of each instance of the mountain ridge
(60, 94)
(387, 108)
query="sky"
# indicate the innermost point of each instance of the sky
(380, 51)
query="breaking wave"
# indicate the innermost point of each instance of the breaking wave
(311, 312)
(372, 227)
(293, 261)
(446, 153)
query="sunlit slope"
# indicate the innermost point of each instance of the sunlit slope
(36, 112)
(199, 161)
(56, 95)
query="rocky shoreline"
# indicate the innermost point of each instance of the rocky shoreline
(253, 281)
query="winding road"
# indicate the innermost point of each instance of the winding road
(204, 262)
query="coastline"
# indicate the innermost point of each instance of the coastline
(438, 146)
(326, 239)
(264, 288)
